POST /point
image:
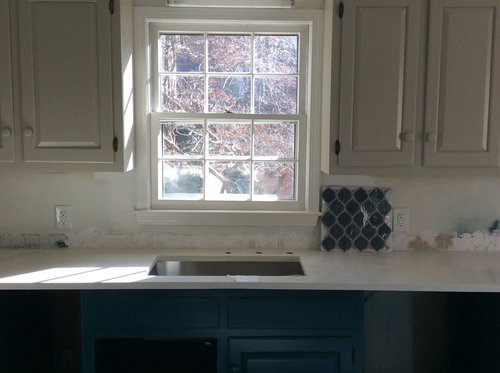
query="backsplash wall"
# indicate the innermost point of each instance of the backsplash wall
(106, 201)
(461, 203)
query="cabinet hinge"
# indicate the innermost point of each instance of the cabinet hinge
(112, 6)
(341, 9)
(337, 147)
(115, 144)
(354, 356)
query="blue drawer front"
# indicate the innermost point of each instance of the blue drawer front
(292, 312)
(154, 312)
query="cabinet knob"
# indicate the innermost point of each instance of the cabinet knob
(408, 136)
(27, 132)
(234, 368)
(6, 132)
(431, 137)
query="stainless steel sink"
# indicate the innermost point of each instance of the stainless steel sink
(224, 266)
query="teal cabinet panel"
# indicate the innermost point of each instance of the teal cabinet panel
(288, 311)
(143, 310)
(290, 355)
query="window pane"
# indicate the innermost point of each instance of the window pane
(274, 181)
(182, 52)
(229, 53)
(182, 138)
(182, 179)
(275, 95)
(182, 94)
(276, 54)
(225, 157)
(229, 94)
(229, 139)
(228, 181)
(274, 140)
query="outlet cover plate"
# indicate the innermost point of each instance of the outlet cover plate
(63, 217)
(400, 220)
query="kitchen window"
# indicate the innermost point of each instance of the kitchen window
(229, 115)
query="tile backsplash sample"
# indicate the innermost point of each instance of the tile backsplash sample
(355, 218)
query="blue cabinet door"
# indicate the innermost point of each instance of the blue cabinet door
(290, 355)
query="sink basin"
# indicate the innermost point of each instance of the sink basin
(223, 266)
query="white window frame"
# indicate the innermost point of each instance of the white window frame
(179, 26)
(303, 213)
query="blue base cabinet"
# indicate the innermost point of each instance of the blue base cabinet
(222, 331)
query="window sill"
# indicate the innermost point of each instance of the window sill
(227, 218)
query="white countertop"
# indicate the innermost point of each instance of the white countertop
(128, 269)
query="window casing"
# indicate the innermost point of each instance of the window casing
(215, 190)
(300, 119)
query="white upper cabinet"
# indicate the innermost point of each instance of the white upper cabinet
(70, 104)
(378, 86)
(6, 114)
(66, 80)
(462, 120)
(418, 85)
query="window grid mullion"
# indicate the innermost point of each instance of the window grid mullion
(205, 101)
(252, 83)
(206, 170)
(251, 160)
(252, 110)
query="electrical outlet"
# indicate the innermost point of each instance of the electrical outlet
(63, 217)
(401, 220)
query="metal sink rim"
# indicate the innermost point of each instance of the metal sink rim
(227, 266)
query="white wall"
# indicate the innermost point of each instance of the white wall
(106, 201)
(103, 200)
(462, 204)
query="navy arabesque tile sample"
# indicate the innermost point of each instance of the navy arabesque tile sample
(355, 218)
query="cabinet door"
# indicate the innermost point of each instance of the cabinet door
(65, 65)
(289, 355)
(462, 112)
(379, 56)
(6, 118)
